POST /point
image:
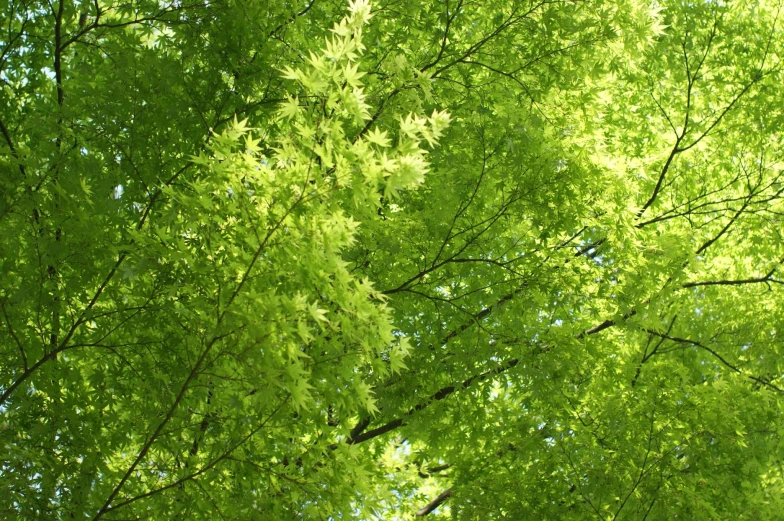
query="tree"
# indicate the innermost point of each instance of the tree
(504, 260)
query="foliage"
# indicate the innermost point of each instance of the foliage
(501, 260)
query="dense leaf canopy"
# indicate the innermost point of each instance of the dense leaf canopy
(498, 259)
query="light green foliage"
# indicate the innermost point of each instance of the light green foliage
(502, 260)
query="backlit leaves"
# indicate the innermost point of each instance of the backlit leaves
(507, 260)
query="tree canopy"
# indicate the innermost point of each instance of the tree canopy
(499, 259)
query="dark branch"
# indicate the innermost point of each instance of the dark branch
(443, 496)
(720, 358)
(440, 395)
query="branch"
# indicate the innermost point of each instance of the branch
(156, 17)
(434, 470)
(691, 79)
(156, 434)
(290, 20)
(726, 227)
(13, 334)
(604, 325)
(194, 372)
(357, 436)
(58, 51)
(766, 279)
(443, 496)
(12, 40)
(724, 362)
(83, 315)
(511, 20)
(376, 114)
(675, 151)
(440, 395)
(14, 152)
(449, 20)
(646, 355)
(205, 468)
